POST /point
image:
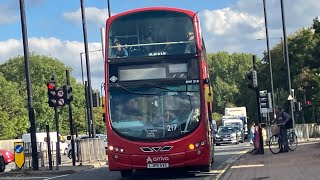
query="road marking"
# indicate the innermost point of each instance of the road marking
(227, 153)
(247, 166)
(223, 171)
(234, 158)
(57, 177)
(216, 171)
(23, 177)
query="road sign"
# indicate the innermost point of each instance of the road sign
(19, 157)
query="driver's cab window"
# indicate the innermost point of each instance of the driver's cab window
(151, 33)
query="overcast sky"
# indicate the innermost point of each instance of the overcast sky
(55, 29)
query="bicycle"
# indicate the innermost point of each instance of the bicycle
(276, 139)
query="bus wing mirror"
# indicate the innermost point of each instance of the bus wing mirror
(208, 94)
(69, 138)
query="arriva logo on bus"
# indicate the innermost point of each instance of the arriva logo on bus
(157, 159)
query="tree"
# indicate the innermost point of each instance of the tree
(42, 67)
(228, 75)
(13, 114)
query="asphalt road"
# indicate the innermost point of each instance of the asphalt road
(224, 155)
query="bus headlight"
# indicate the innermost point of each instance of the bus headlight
(116, 149)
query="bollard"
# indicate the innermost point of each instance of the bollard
(49, 147)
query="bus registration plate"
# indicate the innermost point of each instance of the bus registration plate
(158, 165)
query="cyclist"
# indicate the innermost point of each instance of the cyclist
(284, 121)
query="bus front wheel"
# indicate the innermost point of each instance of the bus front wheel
(126, 173)
(206, 168)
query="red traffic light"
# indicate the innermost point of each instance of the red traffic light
(51, 86)
(308, 102)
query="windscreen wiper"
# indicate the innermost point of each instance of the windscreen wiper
(167, 89)
(132, 92)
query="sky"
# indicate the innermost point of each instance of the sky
(55, 29)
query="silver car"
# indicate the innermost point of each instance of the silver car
(227, 135)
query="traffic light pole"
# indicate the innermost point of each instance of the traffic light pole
(286, 55)
(58, 156)
(71, 124)
(87, 109)
(261, 150)
(35, 161)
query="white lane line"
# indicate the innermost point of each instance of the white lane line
(57, 177)
(247, 166)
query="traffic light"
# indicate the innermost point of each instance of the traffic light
(96, 99)
(253, 79)
(67, 94)
(308, 102)
(299, 104)
(263, 99)
(52, 101)
(60, 97)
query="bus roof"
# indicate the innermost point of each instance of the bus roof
(188, 12)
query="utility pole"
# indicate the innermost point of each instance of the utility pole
(269, 56)
(87, 107)
(35, 161)
(109, 13)
(88, 66)
(68, 99)
(286, 55)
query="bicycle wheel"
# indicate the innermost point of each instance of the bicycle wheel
(292, 141)
(274, 144)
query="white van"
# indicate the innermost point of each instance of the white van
(41, 138)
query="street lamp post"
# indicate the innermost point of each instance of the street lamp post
(82, 63)
(269, 56)
(86, 115)
(286, 55)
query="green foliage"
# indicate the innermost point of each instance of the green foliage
(228, 75)
(217, 117)
(41, 68)
(13, 114)
(304, 58)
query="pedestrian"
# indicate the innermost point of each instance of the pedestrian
(252, 129)
(284, 121)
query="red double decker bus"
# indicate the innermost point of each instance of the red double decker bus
(158, 97)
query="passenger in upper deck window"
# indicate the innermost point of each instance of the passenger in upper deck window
(119, 51)
(191, 46)
(147, 38)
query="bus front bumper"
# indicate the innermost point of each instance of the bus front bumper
(192, 158)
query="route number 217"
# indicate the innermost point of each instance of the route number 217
(172, 127)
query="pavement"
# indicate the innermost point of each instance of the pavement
(64, 169)
(303, 163)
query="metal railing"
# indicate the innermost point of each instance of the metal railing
(91, 149)
(307, 131)
(304, 132)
